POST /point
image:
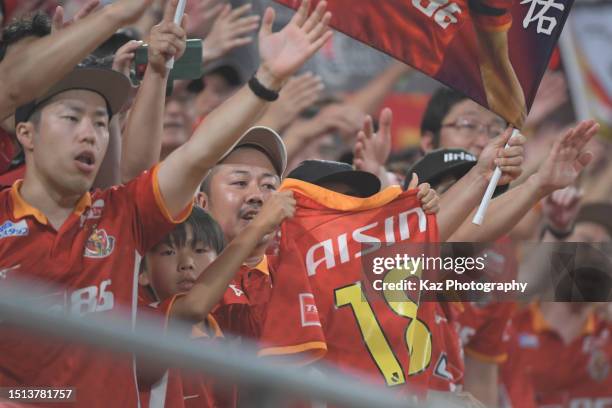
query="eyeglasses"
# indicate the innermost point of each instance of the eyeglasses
(472, 126)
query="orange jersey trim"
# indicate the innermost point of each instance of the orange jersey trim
(161, 203)
(539, 322)
(498, 359)
(314, 349)
(262, 266)
(199, 330)
(22, 209)
(341, 202)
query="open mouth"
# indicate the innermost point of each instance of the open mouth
(249, 215)
(85, 161)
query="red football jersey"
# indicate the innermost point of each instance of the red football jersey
(94, 261)
(484, 330)
(242, 309)
(417, 32)
(545, 371)
(167, 391)
(448, 366)
(175, 388)
(323, 303)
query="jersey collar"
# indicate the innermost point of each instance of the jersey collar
(262, 266)
(540, 325)
(22, 209)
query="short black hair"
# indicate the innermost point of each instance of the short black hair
(37, 25)
(205, 186)
(441, 102)
(205, 230)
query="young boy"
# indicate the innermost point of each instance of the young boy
(172, 284)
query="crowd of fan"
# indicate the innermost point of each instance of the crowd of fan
(185, 173)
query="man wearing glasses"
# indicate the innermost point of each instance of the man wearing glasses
(453, 121)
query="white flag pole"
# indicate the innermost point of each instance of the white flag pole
(486, 198)
(178, 16)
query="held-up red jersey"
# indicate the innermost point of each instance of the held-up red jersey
(323, 303)
(417, 32)
(93, 261)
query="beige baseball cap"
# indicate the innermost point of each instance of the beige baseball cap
(269, 142)
(113, 86)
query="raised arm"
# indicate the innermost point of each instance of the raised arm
(369, 98)
(212, 283)
(141, 142)
(282, 54)
(57, 54)
(563, 165)
(458, 202)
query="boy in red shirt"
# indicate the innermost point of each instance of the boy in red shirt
(172, 276)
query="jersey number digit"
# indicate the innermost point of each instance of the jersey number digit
(442, 12)
(418, 336)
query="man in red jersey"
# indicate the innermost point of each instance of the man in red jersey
(54, 230)
(561, 351)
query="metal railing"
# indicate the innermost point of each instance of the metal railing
(225, 362)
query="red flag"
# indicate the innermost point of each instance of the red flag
(494, 51)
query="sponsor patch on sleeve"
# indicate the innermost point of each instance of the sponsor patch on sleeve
(12, 229)
(308, 309)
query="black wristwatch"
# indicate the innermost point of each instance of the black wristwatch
(261, 91)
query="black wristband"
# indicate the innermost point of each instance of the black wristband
(261, 91)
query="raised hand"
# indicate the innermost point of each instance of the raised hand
(561, 208)
(231, 29)
(202, 15)
(567, 158)
(122, 60)
(278, 207)
(58, 23)
(343, 118)
(427, 196)
(372, 149)
(167, 40)
(509, 160)
(299, 93)
(284, 52)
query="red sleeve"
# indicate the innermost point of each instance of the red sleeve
(157, 310)
(485, 331)
(151, 220)
(491, 15)
(292, 325)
